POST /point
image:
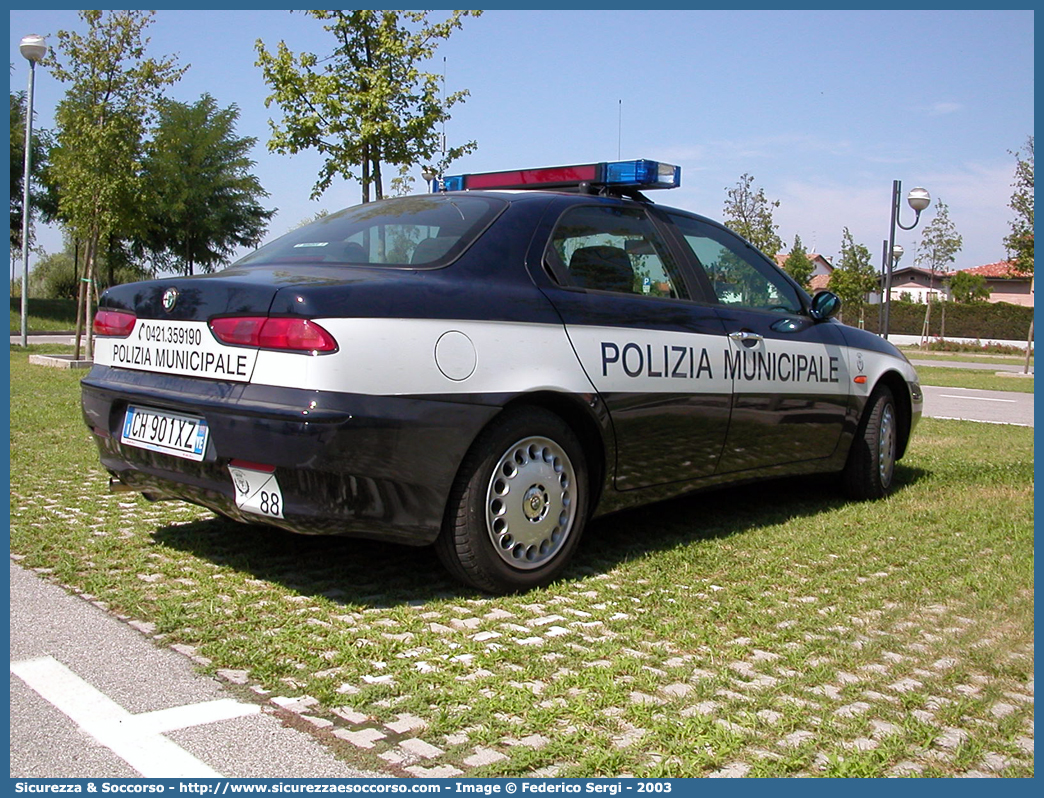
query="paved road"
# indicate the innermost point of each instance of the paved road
(998, 407)
(91, 697)
(47, 338)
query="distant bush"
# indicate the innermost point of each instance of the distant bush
(978, 320)
(976, 347)
(54, 277)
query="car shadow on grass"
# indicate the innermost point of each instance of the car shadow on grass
(713, 514)
(371, 574)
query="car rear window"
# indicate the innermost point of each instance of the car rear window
(424, 231)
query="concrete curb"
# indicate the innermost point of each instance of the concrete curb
(60, 361)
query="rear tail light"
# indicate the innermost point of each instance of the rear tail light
(293, 334)
(113, 322)
(297, 334)
(238, 331)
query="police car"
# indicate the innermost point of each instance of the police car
(485, 368)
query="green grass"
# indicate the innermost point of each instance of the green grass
(972, 378)
(44, 315)
(746, 626)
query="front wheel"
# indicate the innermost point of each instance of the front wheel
(870, 467)
(518, 506)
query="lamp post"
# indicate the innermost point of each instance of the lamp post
(32, 48)
(918, 199)
(897, 253)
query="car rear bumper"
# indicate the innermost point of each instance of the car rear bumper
(347, 464)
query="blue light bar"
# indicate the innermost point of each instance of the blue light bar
(454, 183)
(643, 174)
(639, 174)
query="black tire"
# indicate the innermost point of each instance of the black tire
(518, 506)
(870, 469)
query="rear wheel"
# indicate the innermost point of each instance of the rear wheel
(870, 468)
(518, 506)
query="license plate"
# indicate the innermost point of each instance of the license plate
(163, 431)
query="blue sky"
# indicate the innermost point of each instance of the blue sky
(824, 108)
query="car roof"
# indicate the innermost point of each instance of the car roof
(567, 197)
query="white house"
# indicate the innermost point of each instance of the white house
(919, 285)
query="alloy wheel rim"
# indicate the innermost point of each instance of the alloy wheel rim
(530, 503)
(886, 449)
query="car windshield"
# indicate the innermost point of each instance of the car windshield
(426, 230)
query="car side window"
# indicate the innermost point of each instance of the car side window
(417, 230)
(614, 249)
(737, 275)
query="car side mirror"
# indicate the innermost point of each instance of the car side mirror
(825, 305)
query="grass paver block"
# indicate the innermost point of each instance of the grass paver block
(906, 623)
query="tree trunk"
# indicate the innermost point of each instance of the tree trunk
(1029, 341)
(1029, 348)
(110, 263)
(366, 174)
(92, 250)
(926, 333)
(378, 183)
(79, 300)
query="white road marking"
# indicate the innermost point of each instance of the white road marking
(168, 720)
(976, 398)
(136, 739)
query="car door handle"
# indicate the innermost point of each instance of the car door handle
(746, 337)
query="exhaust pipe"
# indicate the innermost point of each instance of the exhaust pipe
(119, 486)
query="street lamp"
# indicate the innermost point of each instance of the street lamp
(32, 48)
(918, 199)
(430, 177)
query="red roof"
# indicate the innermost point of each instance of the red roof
(815, 257)
(999, 270)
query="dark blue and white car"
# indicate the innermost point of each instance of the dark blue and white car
(485, 368)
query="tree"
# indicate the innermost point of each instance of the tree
(798, 265)
(367, 104)
(100, 123)
(54, 277)
(854, 277)
(1020, 243)
(940, 243)
(749, 213)
(966, 288)
(203, 200)
(39, 198)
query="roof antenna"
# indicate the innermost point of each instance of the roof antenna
(444, 109)
(619, 130)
